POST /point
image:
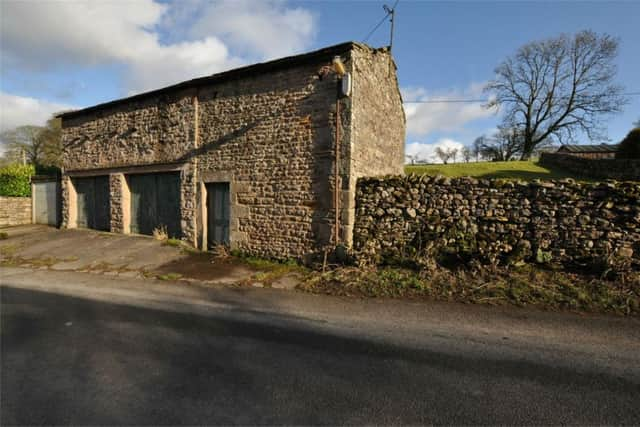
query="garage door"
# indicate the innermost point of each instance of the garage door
(93, 202)
(155, 202)
(45, 202)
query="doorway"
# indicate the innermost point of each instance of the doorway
(218, 203)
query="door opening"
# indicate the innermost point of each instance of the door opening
(218, 202)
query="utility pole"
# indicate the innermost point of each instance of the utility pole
(392, 13)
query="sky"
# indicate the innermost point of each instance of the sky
(71, 54)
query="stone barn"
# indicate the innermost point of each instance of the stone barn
(262, 158)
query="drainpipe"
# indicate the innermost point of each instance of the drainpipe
(197, 196)
(337, 174)
(340, 71)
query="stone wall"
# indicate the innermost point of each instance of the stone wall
(15, 211)
(620, 169)
(377, 134)
(271, 137)
(157, 129)
(118, 211)
(492, 221)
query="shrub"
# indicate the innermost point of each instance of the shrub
(630, 146)
(15, 180)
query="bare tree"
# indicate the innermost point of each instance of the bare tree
(454, 153)
(442, 154)
(477, 146)
(504, 145)
(554, 88)
(467, 154)
(412, 158)
(446, 154)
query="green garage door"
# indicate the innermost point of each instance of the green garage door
(93, 202)
(155, 202)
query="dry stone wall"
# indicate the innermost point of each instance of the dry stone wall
(15, 211)
(620, 169)
(492, 221)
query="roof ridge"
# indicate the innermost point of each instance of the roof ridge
(224, 75)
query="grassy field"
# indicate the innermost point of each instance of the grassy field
(525, 170)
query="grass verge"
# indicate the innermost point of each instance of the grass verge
(268, 271)
(176, 243)
(528, 286)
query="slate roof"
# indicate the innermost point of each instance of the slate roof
(600, 148)
(236, 73)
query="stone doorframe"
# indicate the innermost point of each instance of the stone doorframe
(236, 210)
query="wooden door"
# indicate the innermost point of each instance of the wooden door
(218, 204)
(155, 202)
(93, 202)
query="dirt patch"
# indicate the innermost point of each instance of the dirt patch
(203, 267)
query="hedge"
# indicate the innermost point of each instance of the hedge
(15, 180)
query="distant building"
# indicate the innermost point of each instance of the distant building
(601, 151)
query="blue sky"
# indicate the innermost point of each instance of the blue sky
(69, 55)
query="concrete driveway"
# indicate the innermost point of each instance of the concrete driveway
(80, 250)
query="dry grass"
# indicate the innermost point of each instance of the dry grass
(160, 233)
(529, 286)
(169, 276)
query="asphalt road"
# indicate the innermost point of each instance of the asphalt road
(82, 350)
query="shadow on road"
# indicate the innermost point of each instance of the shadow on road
(69, 360)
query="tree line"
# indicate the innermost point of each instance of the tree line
(40, 146)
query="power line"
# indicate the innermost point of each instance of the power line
(375, 28)
(436, 101)
(453, 101)
(384, 18)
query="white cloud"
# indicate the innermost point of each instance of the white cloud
(262, 29)
(424, 119)
(46, 35)
(18, 110)
(426, 152)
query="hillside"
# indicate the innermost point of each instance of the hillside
(525, 170)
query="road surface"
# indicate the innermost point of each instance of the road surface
(87, 349)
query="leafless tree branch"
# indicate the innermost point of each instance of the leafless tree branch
(553, 89)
